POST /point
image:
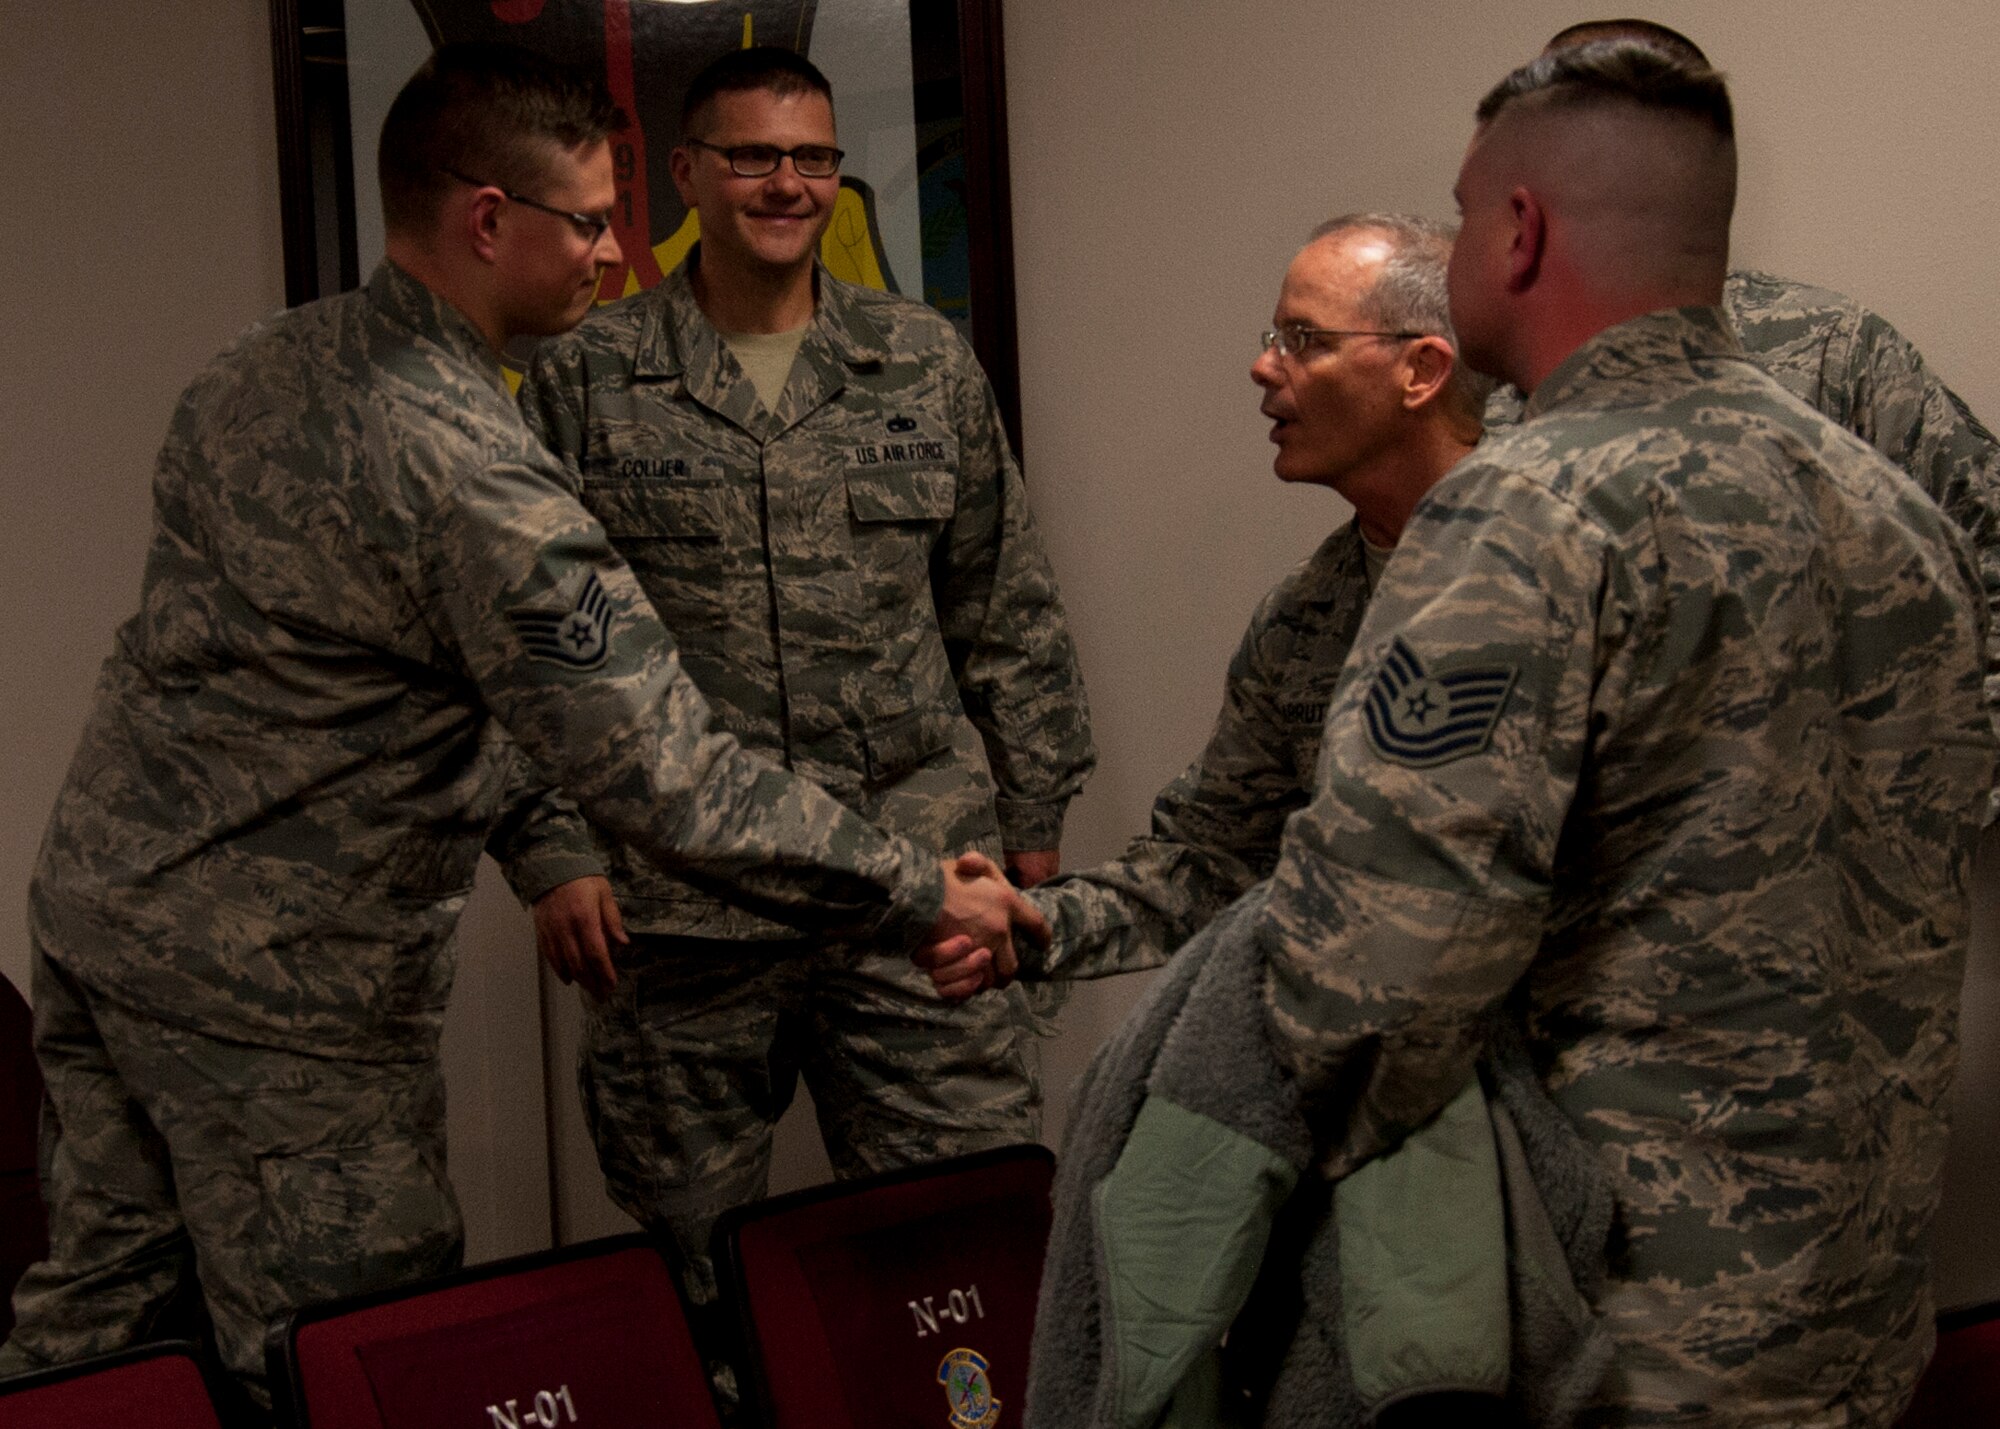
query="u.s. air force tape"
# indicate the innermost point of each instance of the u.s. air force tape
(578, 638)
(1420, 719)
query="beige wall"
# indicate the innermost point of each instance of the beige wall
(1167, 160)
(140, 170)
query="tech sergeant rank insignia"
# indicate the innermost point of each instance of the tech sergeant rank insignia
(968, 1391)
(1420, 719)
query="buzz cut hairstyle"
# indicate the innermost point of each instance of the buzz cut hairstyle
(1410, 293)
(771, 68)
(1646, 32)
(491, 112)
(1631, 72)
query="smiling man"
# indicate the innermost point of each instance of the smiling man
(364, 568)
(811, 482)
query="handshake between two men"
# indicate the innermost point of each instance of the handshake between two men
(969, 949)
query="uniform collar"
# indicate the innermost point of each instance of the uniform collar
(676, 337)
(1669, 338)
(405, 300)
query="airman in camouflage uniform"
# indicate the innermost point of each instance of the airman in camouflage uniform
(1840, 358)
(845, 557)
(1215, 830)
(364, 566)
(1664, 723)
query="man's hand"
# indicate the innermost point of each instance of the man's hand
(971, 947)
(1028, 866)
(575, 925)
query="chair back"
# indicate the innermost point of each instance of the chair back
(162, 1385)
(1962, 1385)
(593, 1335)
(24, 1222)
(901, 1299)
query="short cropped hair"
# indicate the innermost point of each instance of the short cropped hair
(1410, 293)
(494, 113)
(1646, 32)
(1619, 71)
(773, 68)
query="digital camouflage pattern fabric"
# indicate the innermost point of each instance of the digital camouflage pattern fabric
(1715, 841)
(1215, 829)
(295, 1179)
(1841, 359)
(361, 559)
(853, 580)
(855, 584)
(293, 761)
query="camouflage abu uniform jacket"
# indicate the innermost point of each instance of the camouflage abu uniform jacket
(853, 581)
(360, 557)
(1840, 358)
(1664, 721)
(1215, 829)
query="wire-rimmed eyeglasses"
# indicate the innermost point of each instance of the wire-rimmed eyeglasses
(592, 226)
(1293, 339)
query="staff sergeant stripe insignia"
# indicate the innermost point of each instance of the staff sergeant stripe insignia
(577, 638)
(1419, 719)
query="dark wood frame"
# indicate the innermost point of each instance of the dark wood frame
(316, 172)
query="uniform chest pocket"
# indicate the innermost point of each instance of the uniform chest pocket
(671, 535)
(879, 497)
(654, 510)
(897, 516)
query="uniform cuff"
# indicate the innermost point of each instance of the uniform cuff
(917, 903)
(1025, 826)
(536, 874)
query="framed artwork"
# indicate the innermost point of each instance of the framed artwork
(918, 96)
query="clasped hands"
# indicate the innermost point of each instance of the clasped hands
(971, 946)
(969, 949)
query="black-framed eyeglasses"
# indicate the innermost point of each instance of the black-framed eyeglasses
(1293, 339)
(592, 226)
(754, 161)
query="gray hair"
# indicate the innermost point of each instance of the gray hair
(1410, 292)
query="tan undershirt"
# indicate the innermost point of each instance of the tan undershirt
(766, 358)
(1374, 558)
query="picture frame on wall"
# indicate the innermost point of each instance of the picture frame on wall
(923, 208)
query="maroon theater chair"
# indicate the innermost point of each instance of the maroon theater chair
(24, 1224)
(901, 1299)
(164, 1385)
(1962, 1385)
(593, 1335)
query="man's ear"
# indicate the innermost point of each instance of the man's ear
(481, 218)
(1531, 234)
(680, 166)
(1428, 362)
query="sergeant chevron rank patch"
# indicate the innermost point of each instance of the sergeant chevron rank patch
(1420, 719)
(578, 638)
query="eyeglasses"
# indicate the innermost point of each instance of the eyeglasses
(592, 226)
(754, 161)
(1293, 339)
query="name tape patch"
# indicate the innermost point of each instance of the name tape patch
(1419, 719)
